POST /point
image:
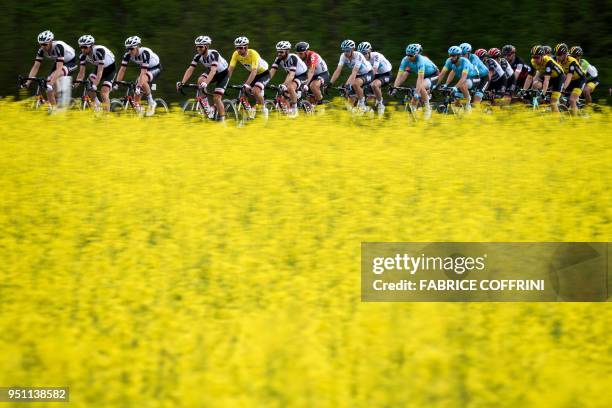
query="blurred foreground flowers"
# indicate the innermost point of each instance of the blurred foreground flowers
(167, 262)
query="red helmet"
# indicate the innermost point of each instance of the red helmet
(494, 52)
(481, 53)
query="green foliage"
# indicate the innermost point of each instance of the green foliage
(169, 27)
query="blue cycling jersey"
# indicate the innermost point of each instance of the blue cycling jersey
(482, 69)
(463, 64)
(420, 64)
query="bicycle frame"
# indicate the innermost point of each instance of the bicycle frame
(41, 84)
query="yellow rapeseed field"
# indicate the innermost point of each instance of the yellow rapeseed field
(167, 262)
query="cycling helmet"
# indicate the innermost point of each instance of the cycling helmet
(347, 45)
(86, 40)
(133, 41)
(302, 46)
(420, 48)
(494, 53)
(241, 42)
(547, 49)
(454, 50)
(283, 46)
(508, 49)
(413, 49)
(481, 53)
(465, 48)
(364, 47)
(537, 50)
(576, 51)
(45, 37)
(561, 49)
(203, 40)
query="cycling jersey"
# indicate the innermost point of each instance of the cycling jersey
(146, 58)
(546, 66)
(59, 52)
(420, 64)
(99, 55)
(211, 59)
(314, 59)
(495, 69)
(505, 65)
(520, 68)
(572, 67)
(250, 61)
(292, 63)
(357, 59)
(482, 69)
(463, 65)
(380, 63)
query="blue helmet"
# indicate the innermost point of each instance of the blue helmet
(413, 49)
(347, 45)
(454, 50)
(465, 48)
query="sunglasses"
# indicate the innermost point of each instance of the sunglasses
(410, 55)
(241, 48)
(84, 47)
(130, 48)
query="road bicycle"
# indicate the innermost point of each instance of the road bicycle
(198, 106)
(38, 101)
(280, 104)
(127, 103)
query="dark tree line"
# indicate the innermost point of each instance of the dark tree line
(169, 28)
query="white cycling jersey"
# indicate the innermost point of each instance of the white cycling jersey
(380, 63)
(292, 63)
(60, 51)
(99, 55)
(357, 59)
(212, 58)
(146, 58)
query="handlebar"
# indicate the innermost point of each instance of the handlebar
(126, 84)
(22, 80)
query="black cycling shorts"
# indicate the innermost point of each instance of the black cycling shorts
(153, 73)
(498, 86)
(575, 85)
(555, 84)
(385, 79)
(220, 80)
(510, 84)
(261, 80)
(366, 78)
(300, 79)
(323, 77)
(108, 76)
(68, 68)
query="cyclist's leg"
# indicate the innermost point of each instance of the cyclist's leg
(589, 88)
(258, 85)
(555, 85)
(220, 80)
(376, 84)
(481, 86)
(291, 90)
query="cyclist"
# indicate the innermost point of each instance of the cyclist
(483, 71)
(381, 68)
(217, 72)
(150, 69)
(459, 66)
(496, 80)
(552, 72)
(259, 75)
(296, 72)
(521, 69)
(592, 79)
(361, 70)
(495, 53)
(64, 62)
(104, 60)
(575, 78)
(317, 75)
(548, 50)
(427, 74)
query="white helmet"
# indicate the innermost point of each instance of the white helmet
(86, 40)
(364, 47)
(133, 41)
(347, 45)
(203, 40)
(45, 37)
(241, 42)
(283, 46)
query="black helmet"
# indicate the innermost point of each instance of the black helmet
(576, 51)
(508, 49)
(537, 50)
(302, 46)
(561, 49)
(547, 49)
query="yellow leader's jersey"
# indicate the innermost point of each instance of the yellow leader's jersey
(547, 66)
(571, 66)
(251, 60)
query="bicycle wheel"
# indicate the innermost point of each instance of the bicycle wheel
(162, 107)
(231, 110)
(189, 107)
(306, 106)
(117, 106)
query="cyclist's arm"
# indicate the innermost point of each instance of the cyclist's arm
(442, 75)
(272, 71)
(351, 78)
(188, 74)
(420, 80)
(310, 74)
(336, 74)
(528, 82)
(99, 74)
(450, 77)
(545, 84)
(252, 76)
(211, 74)
(463, 78)
(57, 73)
(33, 71)
(81, 73)
(121, 73)
(289, 78)
(400, 78)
